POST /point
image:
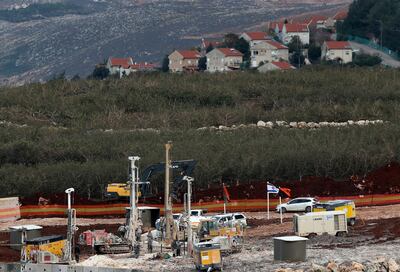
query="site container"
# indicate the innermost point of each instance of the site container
(317, 223)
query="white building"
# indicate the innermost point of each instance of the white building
(119, 66)
(291, 30)
(268, 51)
(340, 51)
(224, 59)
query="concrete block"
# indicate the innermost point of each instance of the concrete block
(59, 268)
(90, 269)
(3, 267)
(13, 267)
(73, 268)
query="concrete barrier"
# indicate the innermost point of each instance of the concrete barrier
(9, 209)
(29, 267)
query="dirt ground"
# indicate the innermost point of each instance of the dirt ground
(376, 234)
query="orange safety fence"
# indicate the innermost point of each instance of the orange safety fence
(244, 205)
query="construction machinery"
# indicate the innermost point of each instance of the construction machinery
(230, 236)
(54, 248)
(207, 256)
(47, 249)
(183, 168)
(348, 206)
(128, 238)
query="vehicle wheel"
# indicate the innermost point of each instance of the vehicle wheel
(308, 209)
(283, 210)
(341, 234)
(352, 221)
(312, 235)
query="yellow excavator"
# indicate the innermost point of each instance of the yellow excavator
(183, 168)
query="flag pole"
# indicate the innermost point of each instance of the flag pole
(280, 210)
(267, 204)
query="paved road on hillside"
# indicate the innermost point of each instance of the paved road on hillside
(386, 59)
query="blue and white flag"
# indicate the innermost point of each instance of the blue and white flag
(271, 189)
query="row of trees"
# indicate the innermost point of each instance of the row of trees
(67, 139)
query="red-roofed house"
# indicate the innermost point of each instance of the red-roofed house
(184, 60)
(295, 29)
(255, 37)
(119, 65)
(224, 59)
(275, 65)
(340, 51)
(206, 44)
(268, 51)
(316, 21)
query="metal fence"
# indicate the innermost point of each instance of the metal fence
(372, 44)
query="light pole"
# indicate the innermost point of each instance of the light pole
(71, 226)
(133, 215)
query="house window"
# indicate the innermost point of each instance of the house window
(347, 53)
(255, 52)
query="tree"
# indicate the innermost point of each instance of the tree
(165, 64)
(314, 52)
(100, 72)
(366, 60)
(230, 40)
(295, 44)
(209, 48)
(202, 63)
(297, 59)
(244, 47)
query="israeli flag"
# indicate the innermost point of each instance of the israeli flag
(272, 189)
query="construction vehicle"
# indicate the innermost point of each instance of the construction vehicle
(347, 206)
(229, 236)
(207, 256)
(183, 168)
(103, 242)
(317, 223)
(51, 249)
(47, 249)
(128, 238)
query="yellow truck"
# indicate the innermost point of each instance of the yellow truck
(347, 206)
(47, 249)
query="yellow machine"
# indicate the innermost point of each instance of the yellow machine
(119, 190)
(347, 206)
(207, 255)
(48, 249)
(209, 228)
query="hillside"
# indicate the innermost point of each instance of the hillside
(80, 133)
(37, 47)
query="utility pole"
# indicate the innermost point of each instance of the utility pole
(167, 197)
(133, 213)
(189, 211)
(71, 228)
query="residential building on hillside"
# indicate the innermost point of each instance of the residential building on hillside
(119, 65)
(268, 51)
(255, 37)
(275, 65)
(340, 51)
(291, 30)
(184, 60)
(224, 59)
(316, 22)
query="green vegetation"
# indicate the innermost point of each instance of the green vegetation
(67, 139)
(368, 17)
(366, 60)
(41, 11)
